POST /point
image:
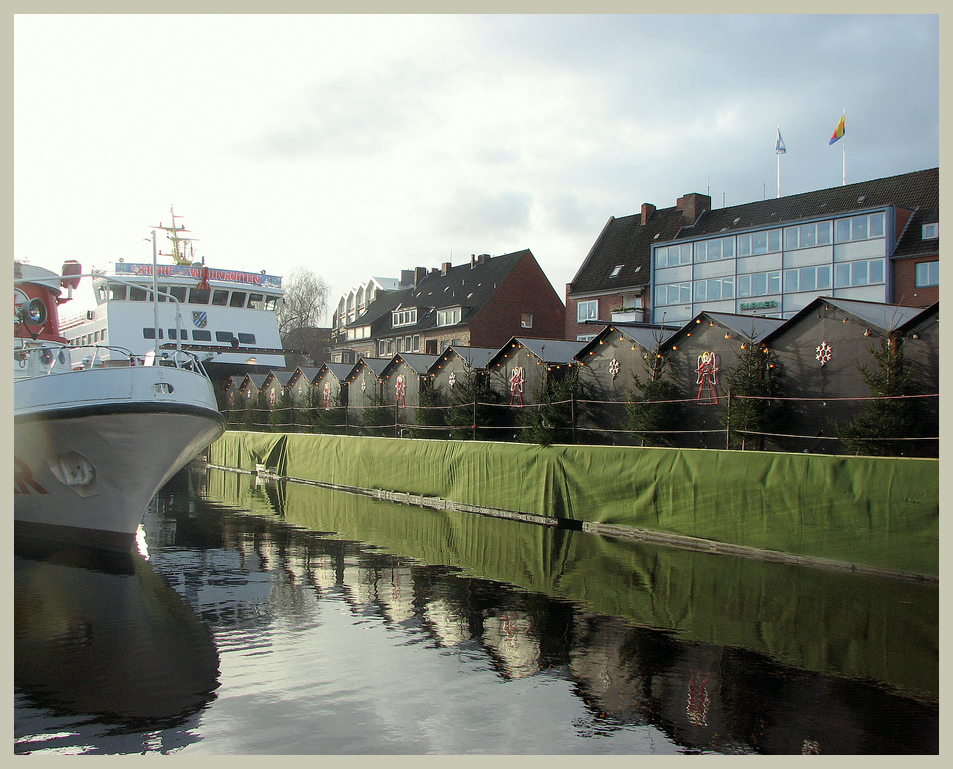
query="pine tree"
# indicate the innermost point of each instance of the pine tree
(889, 416)
(753, 387)
(550, 419)
(473, 412)
(429, 413)
(652, 408)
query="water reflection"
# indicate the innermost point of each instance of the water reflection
(107, 658)
(718, 653)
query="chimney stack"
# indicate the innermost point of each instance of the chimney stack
(419, 274)
(445, 268)
(692, 206)
(647, 210)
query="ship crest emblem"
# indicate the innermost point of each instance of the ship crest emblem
(199, 318)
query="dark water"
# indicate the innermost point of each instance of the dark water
(291, 620)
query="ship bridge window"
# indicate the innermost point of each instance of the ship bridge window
(271, 303)
(220, 298)
(198, 297)
(224, 336)
(116, 291)
(255, 301)
(137, 294)
(246, 338)
(150, 333)
(202, 336)
(172, 334)
(179, 292)
(238, 299)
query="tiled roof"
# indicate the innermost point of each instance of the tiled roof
(466, 286)
(918, 190)
(626, 242)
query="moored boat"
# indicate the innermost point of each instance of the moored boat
(94, 443)
(227, 317)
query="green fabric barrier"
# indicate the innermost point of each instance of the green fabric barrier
(243, 450)
(870, 511)
(814, 619)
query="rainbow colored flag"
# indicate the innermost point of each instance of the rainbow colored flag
(839, 131)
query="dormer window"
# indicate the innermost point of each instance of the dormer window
(616, 271)
(404, 316)
(931, 231)
(449, 317)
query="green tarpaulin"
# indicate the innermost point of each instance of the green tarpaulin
(869, 511)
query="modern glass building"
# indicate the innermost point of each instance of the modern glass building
(775, 270)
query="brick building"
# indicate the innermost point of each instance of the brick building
(481, 304)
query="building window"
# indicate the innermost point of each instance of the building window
(764, 242)
(713, 250)
(587, 310)
(759, 284)
(404, 317)
(807, 235)
(616, 270)
(673, 256)
(928, 274)
(673, 293)
(585, 337)
(862, 273)
(714, 289)
(527, 320)
(931, 231)
(859, 228)
(807, 279)
(449, 317)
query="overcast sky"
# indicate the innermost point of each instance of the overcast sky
(362, 145)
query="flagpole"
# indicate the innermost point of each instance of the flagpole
(844, 149)
(779, 161)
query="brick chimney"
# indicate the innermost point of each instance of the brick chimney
(647, 210)
(693, 205)
(445, 268)
(419, 274)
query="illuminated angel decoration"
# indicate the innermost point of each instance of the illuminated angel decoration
(401, 389)
(707, 380)
(614, 368)
(517, 380)
(327, 395)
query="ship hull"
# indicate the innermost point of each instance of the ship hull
(92, 448)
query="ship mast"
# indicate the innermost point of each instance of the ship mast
(179, 243)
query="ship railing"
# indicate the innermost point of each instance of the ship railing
(39, 359)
